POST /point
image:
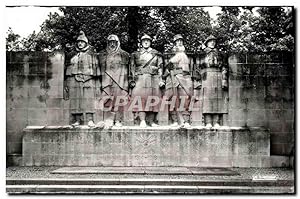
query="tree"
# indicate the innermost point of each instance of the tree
(129, 23)
(239, 30)
(12, 40)
(274, 29)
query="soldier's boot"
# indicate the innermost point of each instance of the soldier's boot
(216, 120)
(187, 119)
(142, 116)
(89, 118)
(77, 118)
(174, 119)
(208, 120)
(153, 119)
(109, 118)
(119, 119)
(180, 118)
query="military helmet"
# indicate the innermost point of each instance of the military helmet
(82, 37)
(178, 36)
(211, 37)
(145, 36)
(112, 38)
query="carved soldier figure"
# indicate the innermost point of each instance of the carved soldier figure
(114, 65)
(81, 77)
(214, 85)
(146, 73)
(179, 83)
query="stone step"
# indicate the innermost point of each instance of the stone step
(147, 170)
(164, 182)
(142, 189)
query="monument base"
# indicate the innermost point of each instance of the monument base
(133, 146)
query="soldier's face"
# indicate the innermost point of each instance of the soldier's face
(112, 44)
(146, 43)
(211, 43)
(81, 44)
(179, 42)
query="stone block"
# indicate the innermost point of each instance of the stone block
(54, 114)
(238, 114)
(14, 160)
(56, 91)
(279, 161)
(14, 147)
(241, 161)
(17, 102)
(288, 104)
(15, 68)
(17, 92)
(14, 136)
(222, 161)
(37, 113)
(275, 126)
(16, 125)
(152, 147)
(288, 126)
(256, 117)
(37, 122)
(263, 144)
(237, 123)
(38, 102)
(255, 58)
(236, 99)
(264, 161)
(281, 138)
(18, 114)
(17, 56)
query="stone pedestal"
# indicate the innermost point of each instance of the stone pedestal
(132, 146)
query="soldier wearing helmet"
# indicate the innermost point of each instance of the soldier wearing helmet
(81, 78)
(146, 74)
(214, 86)
(114, 64)
(179, 83)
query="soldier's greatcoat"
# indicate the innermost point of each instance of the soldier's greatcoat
(114, 67)
(81, 76)
(179, 79)
(146, 67)
(215, 99)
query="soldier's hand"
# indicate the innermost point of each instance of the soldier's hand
(197, 85)
(66, 89)
(161, 84)
(154, 68)
(170, 66)
(132, 84)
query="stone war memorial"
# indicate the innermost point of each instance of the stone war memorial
(184, 110)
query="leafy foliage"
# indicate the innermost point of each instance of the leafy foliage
(238, 29)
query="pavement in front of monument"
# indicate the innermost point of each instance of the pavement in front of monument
(42, 180)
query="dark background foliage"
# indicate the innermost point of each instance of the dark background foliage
(238, 29)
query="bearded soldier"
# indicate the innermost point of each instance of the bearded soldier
(81, 78)
(179, 83)
(114, 64)
(214, 85)
(146, 73)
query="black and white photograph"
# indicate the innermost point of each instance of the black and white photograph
(150, 99)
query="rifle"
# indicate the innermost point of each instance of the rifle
(115, 81)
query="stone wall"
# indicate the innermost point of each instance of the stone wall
(34, 94)
(162, 146)
(262, 93)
